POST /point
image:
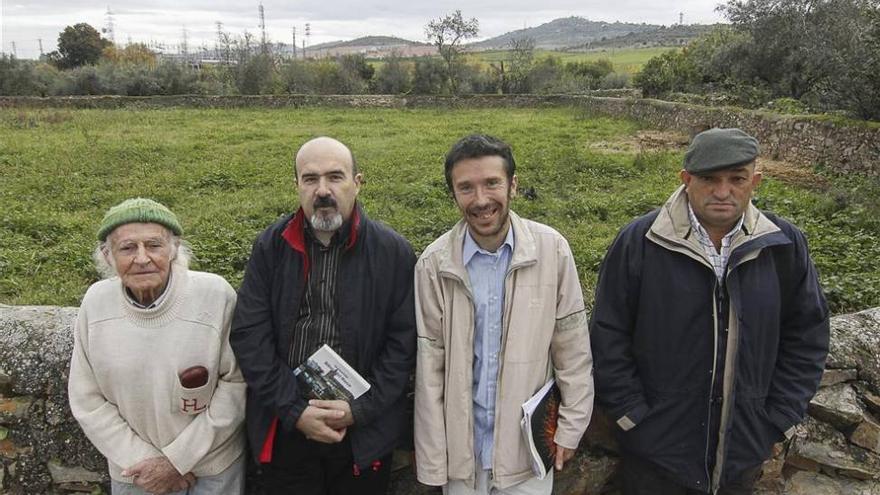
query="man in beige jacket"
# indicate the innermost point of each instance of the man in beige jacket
(499, 311)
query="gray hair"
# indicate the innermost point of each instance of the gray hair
(104, 262)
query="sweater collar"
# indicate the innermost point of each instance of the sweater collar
(166, 307)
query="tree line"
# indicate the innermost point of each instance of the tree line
(87, 64)
(788, 55)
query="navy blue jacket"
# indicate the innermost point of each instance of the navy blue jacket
(376, 323)
(658, 331)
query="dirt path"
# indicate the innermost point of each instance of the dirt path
(652, 140)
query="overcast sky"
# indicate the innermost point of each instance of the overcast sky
(26, 22)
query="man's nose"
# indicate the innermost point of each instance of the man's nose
(323, 187)
(480, 195)
(722, 190)
(140, 256)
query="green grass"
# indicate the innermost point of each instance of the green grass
(228, 174)
(626, 60)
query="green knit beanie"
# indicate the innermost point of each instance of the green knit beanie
(138, 210)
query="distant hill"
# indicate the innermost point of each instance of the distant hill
(372, 47)
(565, 32)
(675, 35)
(368, 41)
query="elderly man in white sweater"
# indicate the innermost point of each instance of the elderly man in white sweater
(153, 381)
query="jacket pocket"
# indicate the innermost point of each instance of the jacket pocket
(752, 435)
(671, 428)
(191, 399)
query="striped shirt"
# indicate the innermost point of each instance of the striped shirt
(717, 258)
(318, 321)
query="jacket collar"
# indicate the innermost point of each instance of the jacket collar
(295, 233)
(672, 227)
(524, 249)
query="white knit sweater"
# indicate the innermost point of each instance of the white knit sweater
(124, 387)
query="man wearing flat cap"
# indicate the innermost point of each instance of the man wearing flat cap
(709, 330)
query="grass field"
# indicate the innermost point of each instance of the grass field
(228, 174)
(627, 60)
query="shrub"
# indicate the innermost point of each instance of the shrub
(394, 76)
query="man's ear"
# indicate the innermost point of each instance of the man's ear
(757, 177)
(686, 178)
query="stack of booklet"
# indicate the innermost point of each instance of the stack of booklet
(540, 415)
(325, 375)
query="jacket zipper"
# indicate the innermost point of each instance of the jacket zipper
(469, 294)
(715, 311)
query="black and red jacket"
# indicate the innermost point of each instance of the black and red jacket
(376, 324)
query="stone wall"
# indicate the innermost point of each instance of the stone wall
(836, 451)
(844, 146)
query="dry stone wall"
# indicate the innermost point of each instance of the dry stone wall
(843, 146)
(836, 451)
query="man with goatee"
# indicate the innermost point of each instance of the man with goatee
(327, 274)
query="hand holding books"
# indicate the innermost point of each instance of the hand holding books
(343, 421)
(313, 424)
(540, 414)
(331, 384)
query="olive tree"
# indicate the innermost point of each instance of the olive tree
(447, 34)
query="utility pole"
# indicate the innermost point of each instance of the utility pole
(294, 42)
(110, 26)
(306, 41)
(219, 41)
(263, 47)
(184, 47)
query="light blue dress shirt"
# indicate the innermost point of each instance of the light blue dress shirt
(486, 272)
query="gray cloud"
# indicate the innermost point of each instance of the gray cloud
(164, 20)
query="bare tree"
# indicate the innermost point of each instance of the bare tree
(446, 34)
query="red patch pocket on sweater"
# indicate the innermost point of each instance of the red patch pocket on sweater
(193, 390)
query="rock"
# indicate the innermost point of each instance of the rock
(71, 474)
(56, 414)
(14, 408)
(771, 480)
(585, 473)
(807, 483)
(837, 405)
(819, 447)
(600, 432)
(11, 450)
(855, 339)
(35, 347)
(5, 386)
(867, 435)
(835, 376)
(869, 398)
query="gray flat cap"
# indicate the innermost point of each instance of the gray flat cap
(717, 149)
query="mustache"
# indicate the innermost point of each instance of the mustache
(325, 202)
